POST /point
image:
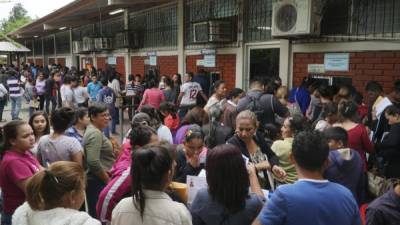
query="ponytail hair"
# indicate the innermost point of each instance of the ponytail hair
(141, 135)
(46, 188)
(150, 166)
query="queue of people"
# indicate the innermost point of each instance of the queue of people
(269, 155)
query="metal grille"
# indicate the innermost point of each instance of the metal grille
(257, 20)
(110, 27)
(48, 45)
(37, 44)
(203, 10)
(361, 19)
(28, 44)
(62, 42)
(83, 31)
(156, 27)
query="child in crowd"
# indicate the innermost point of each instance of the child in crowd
(170, 113)
(40, 124)
(329, 117)
(345, 164)
(54, 197)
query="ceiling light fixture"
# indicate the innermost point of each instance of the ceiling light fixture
(264, 28)
(35, 36)
(116, 11)
(62, 28)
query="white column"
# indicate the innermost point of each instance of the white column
(285, 62)
(181, 38)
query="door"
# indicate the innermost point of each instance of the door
(262, 62)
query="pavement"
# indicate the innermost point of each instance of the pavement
(24, 115)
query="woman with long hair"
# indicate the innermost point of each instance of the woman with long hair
(54, 197)
(152, 96)
(16, 166)
(40, 124)
(152, 171)
(218, 97)
(218, 204)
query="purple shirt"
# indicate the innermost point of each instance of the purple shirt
(180, 134)
(15, 167)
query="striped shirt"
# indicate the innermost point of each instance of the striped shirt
(13, 87)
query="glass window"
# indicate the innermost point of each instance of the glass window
(264, 62)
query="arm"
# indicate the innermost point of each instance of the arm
(93, 144)
(367, 144)
(254, 184)
(144, 100)
(178, 102)
(203, 95)
(77, 157)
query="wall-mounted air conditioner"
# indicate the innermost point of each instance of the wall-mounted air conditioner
(128, 39)
(87, 44)
(76, 47)
(213, 31)
(296, 18)
(103, 43)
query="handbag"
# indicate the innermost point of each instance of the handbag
(378, 185)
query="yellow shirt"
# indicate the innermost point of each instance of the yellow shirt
(283, 149)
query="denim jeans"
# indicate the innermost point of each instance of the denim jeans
(15, 106)
(53, 100)
(113, 125)
(5, 219)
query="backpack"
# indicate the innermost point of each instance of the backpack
(255, 106)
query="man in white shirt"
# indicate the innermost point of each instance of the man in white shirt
(188, 94)
(67, 93)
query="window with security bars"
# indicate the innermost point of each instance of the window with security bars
(155, 28)
(37, 44)
(83, 31)
(361, 18)
(48, 45)
(62, 42)
(199, 11)
(29, 45)
(110, 27)
(257, 20)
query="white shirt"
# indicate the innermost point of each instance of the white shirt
(159, 210)
(190, 91)
(80, 94)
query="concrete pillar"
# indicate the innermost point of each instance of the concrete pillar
(181, 37)
(55, 49)
(285, 62)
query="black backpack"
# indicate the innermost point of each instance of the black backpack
(255, 106)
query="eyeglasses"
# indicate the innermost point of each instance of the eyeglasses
(104, 115)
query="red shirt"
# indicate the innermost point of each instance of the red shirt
(14, 167)
(358, 140)
(171, 123)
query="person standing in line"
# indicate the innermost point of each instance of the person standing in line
(99, 155)
(3, 100)
(93, 88)
(80, 94)
(187, 98)
(17, 165)
(67, 93)
(40, 86)
(311, 199)
(52, 89)
(15, 89)
(152, 96)
(230, 111)
(107, 96)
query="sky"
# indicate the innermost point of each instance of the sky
(35, 8)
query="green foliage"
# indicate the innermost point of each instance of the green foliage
(17, 18)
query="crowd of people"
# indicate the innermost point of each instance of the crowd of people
(271, 155)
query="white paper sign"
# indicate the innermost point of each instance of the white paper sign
(316, 68)
(194, 184)
(153, 60)
(336, 61)
(209, 61)
(112, 60)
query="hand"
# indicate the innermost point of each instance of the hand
(279, 172)
(263, 165)
(251, 169)
(194, 160)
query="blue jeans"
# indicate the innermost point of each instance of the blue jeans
(113, 124)
(5, 219)
(15, 106)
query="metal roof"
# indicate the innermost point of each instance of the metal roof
(6, 46)
(78, 13)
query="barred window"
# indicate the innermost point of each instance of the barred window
(202, 10)
(62, 42)
(83, 31)
(257, 20)
(49, 45)
(110, 27)
(156, 28)
(38, 46)
(29, 45)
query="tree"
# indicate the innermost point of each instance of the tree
(17, 18)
